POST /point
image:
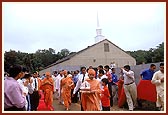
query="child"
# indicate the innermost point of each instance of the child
(105, 95)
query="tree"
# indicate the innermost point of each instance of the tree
(139, 56)
(63, 53)
(153, 55)
(10, 58)
(159, 53)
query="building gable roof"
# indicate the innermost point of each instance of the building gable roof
(72, 55)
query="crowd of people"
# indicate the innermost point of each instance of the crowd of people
(93, 88)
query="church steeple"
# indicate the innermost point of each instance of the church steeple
(97, 19)
(98, 37)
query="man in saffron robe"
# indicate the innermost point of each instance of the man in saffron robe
(91, 99)
(48, 88)
(66, 86)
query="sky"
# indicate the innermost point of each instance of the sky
(28, 27)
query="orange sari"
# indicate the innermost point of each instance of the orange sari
(91, 101)
(48, 87)
(66, 90)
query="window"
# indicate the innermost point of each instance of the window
(94, 60)
(106, 47)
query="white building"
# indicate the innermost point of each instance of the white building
(103, 52)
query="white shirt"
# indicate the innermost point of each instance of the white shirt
(79, 82)
(57, 81)
(156, 80)
(99, 79)
(112, 66)
(29, 86)
(128, 76)
(54, 79)
(103, 76)
(33, 84)
(20, 83)
(25, 90)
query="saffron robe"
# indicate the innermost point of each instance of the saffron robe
(47, 86)
(91, 100)
(66, 90)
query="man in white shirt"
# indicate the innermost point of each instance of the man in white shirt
(28, 89)
(57, 83)
(34, 97)
(158, 80)
(81, 79)
(130, 88)
(54, 77)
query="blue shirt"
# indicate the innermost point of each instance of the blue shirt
(75, 79)
(114, 78)
(147, 74)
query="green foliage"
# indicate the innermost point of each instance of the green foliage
(34, 61)
(152, 56)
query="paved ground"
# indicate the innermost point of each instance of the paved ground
(76, 107)
(60, 107)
